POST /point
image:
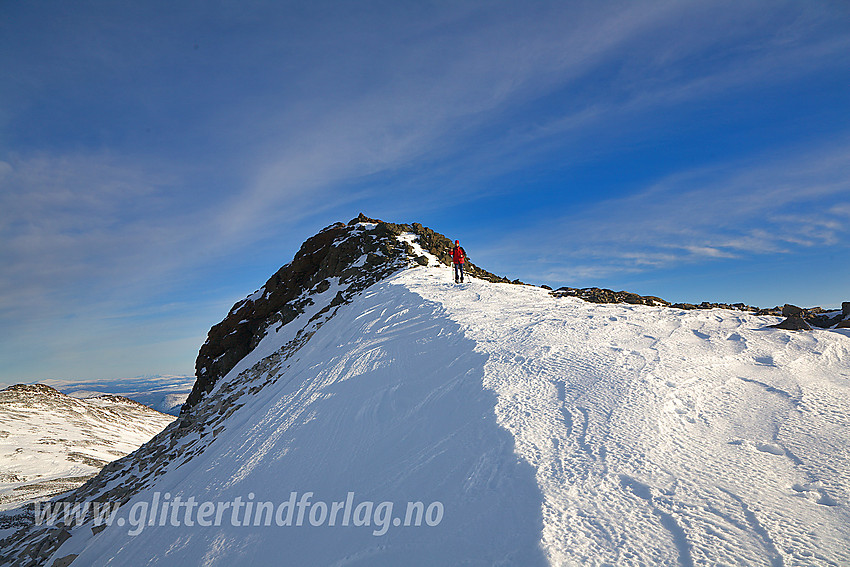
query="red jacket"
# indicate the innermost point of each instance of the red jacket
(458, 255)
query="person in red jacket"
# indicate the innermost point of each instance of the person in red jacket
(458, 258)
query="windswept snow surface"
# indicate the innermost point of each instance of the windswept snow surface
(553, 431)
(667, 437)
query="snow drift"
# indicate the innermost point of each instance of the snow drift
(551, 431)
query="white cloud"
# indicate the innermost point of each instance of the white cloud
(775, 207)
(841, 209)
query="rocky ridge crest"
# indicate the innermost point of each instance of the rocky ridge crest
(350, 257)
(797, 318)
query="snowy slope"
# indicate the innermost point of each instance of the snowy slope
(50, 442)
(550, 430)
(668, 437)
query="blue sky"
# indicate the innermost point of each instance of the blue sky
(159, 160)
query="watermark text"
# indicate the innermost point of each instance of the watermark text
(299, 510)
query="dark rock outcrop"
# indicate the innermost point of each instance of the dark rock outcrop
(845, 313)
(794, 319)
(789, 310)
(793, 324)
(710, 305)
(328, 254)
(822, 318)
(601, 295)
(798, 318)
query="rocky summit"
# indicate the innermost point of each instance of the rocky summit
(344, 258)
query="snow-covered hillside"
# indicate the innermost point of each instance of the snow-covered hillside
(533, 430)
(50, 442)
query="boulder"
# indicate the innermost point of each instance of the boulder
(65, 561)
(789, 310)
(845, 309)
(793, 324)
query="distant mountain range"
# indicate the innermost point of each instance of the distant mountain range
(164, 393)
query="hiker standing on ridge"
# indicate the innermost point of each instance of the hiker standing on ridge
(458, 258)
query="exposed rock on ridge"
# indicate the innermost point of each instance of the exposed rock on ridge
(798, 318)
(794, 319)
(600, 295)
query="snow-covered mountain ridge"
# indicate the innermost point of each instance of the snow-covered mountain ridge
(551, 430)
(335, 264)
(813, 316)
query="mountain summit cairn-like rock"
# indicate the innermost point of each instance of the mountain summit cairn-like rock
(794, 319)
(845, 314)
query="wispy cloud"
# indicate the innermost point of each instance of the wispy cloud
(780, 206)
(80, 221)
(450, 99)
